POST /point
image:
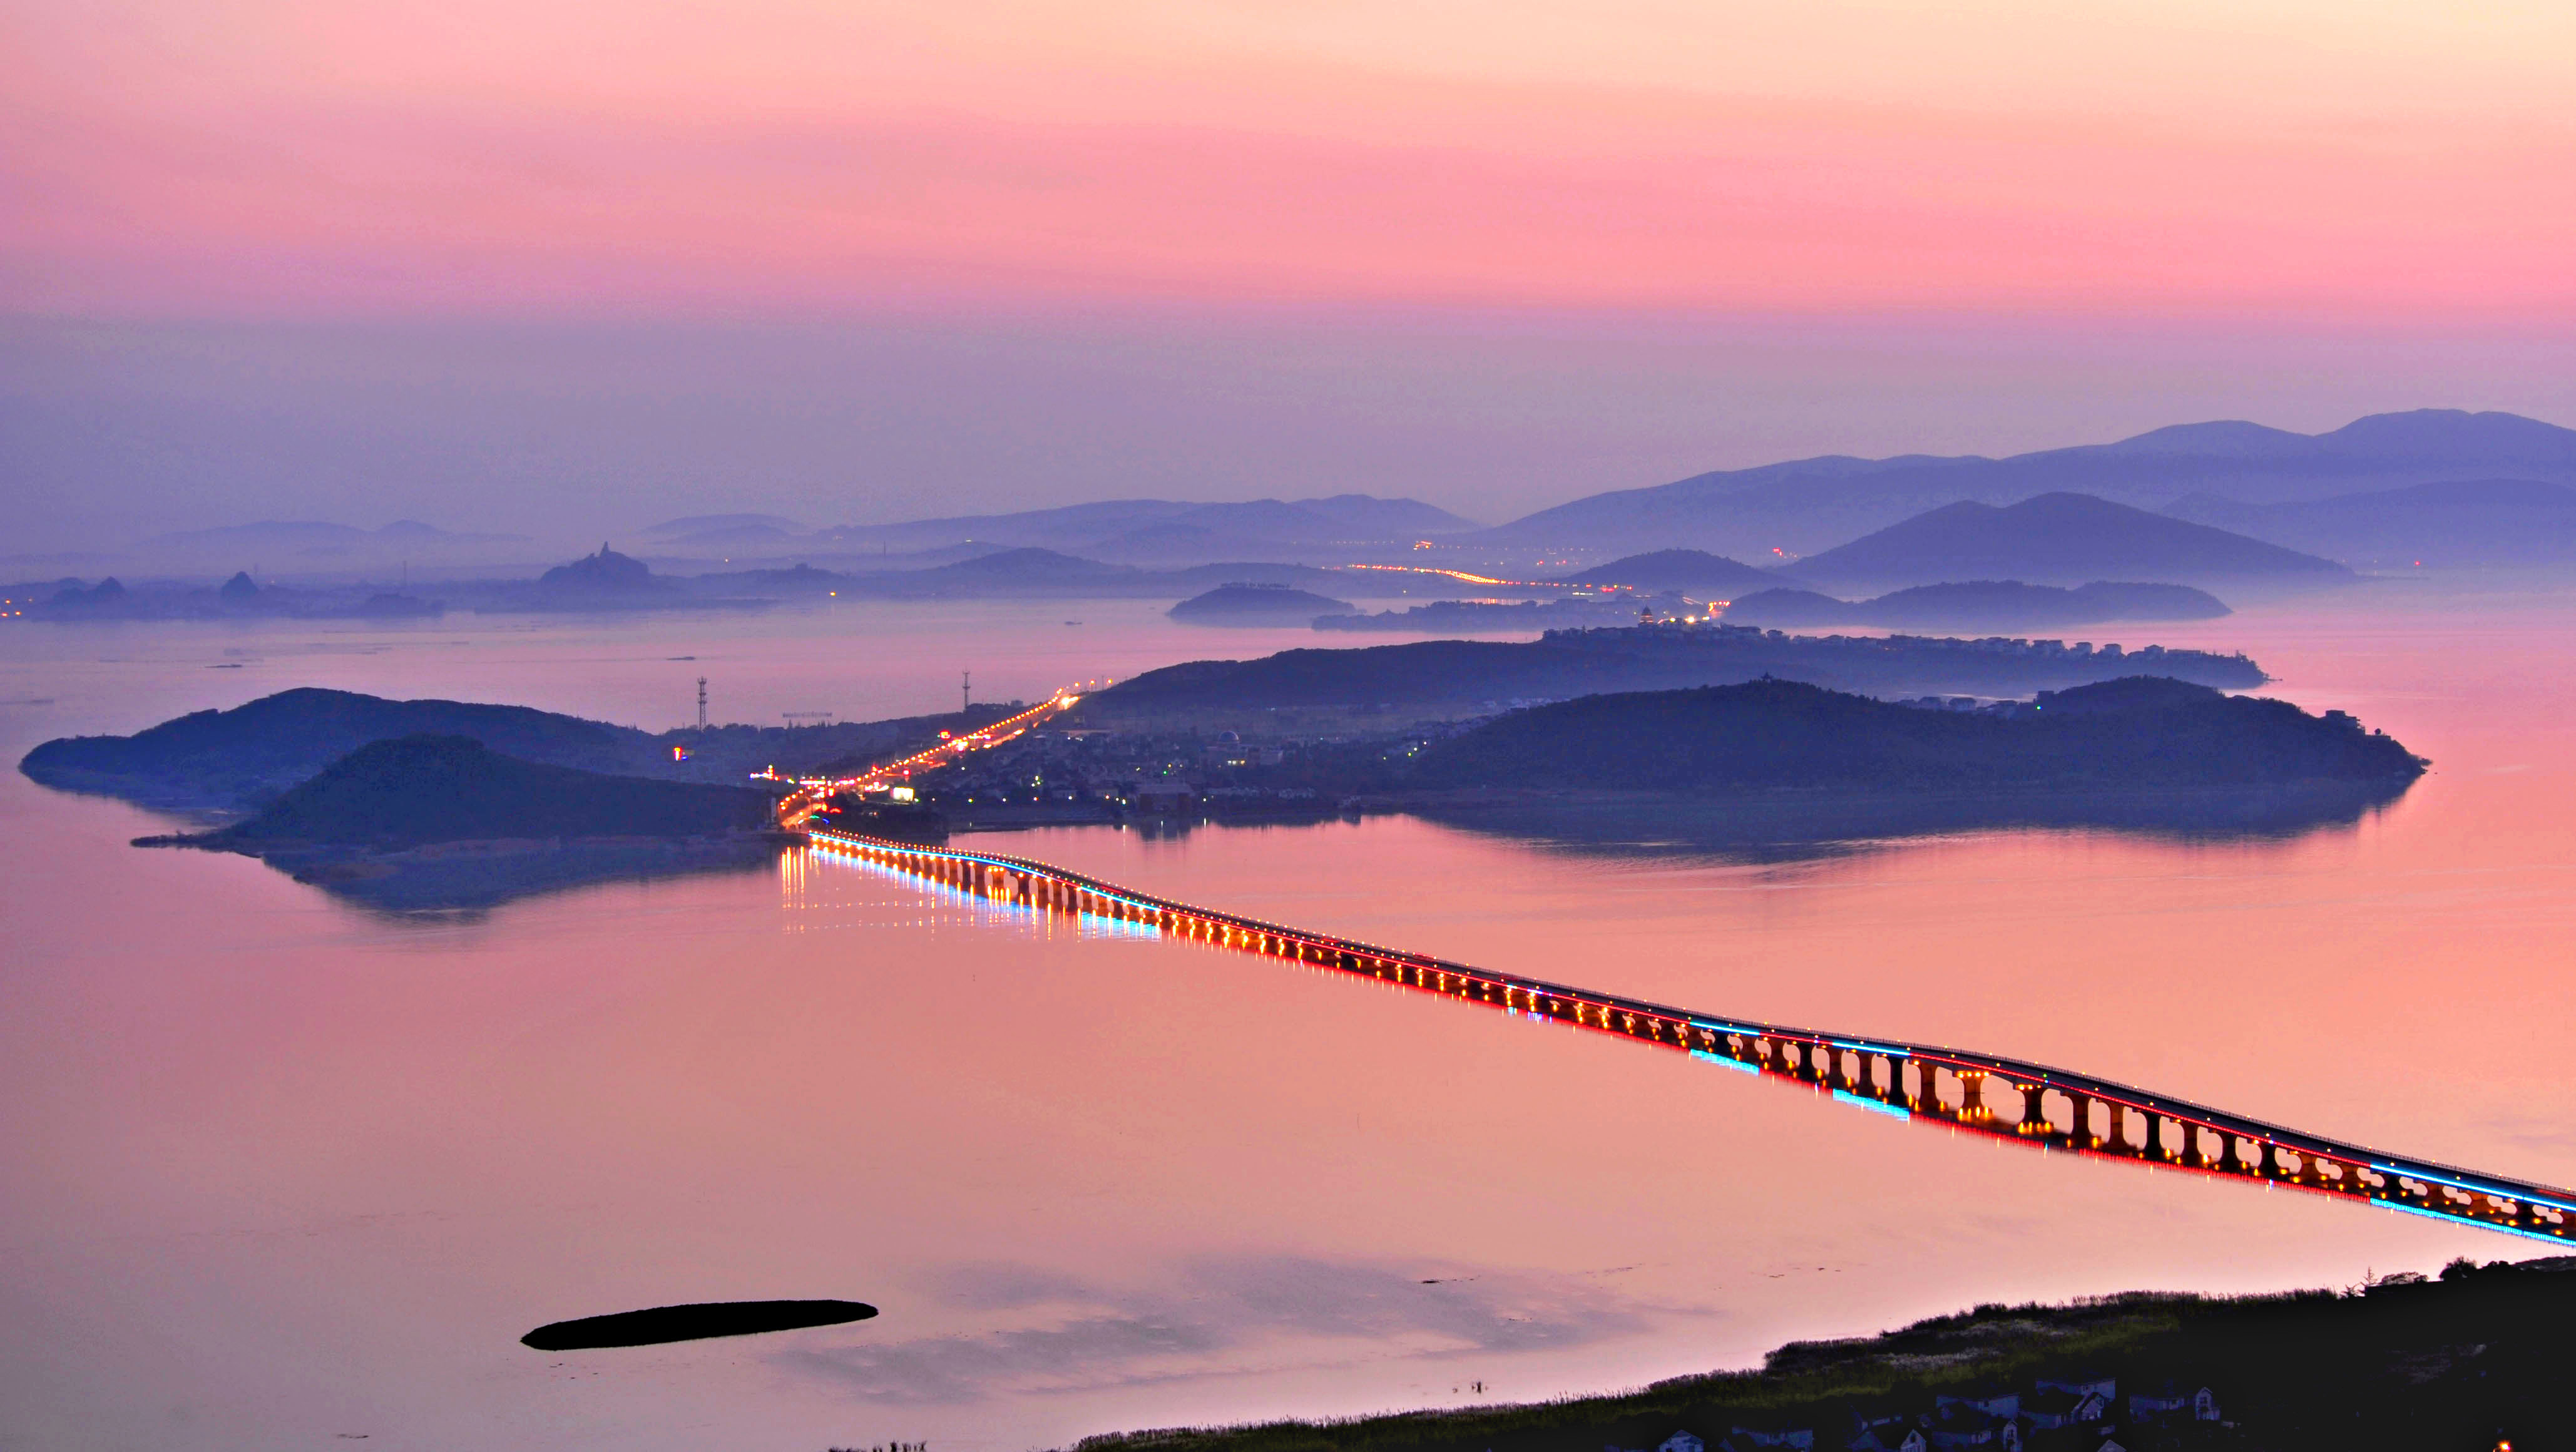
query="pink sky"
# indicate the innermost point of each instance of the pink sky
(2251, 160)
(525, 264)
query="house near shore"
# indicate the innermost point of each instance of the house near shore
(2073, 1413)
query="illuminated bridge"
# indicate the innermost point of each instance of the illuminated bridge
(797, 808)
(2011, 1099)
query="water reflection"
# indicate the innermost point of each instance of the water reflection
(1759, 831)
(1801, 828)
(1071, 1333)
(278, 1170)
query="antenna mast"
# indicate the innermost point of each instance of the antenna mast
(702, 703)
(965, 691)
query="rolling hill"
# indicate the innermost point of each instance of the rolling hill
(2058, 539)
(1807, 504)
(432, 788)
(2467, 522)
(2006, 605)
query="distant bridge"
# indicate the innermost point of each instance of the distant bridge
(2010, 1099)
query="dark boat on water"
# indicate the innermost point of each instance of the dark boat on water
(663, 1324)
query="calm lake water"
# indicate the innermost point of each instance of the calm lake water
(283, 1173)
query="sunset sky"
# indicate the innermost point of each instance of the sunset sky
(2113, 210)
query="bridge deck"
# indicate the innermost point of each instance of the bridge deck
(1936, 1083)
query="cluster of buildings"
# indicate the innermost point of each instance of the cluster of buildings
(1082, 775)
(2060, 1414)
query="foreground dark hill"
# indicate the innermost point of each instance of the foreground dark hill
(427, 788)
(1980, 605)
(2475, 522)
(2473, 1361)
(2135, 733)
(2058, 539)
(1808, 504)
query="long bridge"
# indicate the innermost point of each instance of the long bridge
(2010, 1099)
(809, 794)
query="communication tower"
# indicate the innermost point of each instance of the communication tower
(965, 691)
(702, 703)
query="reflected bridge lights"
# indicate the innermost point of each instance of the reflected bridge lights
(2013, 1101)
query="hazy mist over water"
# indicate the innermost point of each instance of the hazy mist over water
(284, 1170)
(572, 431)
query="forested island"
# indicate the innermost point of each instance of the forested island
(387, 800)
(2137, 733)
(1776, 766)
(217, 764)
(1439, 679)
(372, 825)
(1981, 605)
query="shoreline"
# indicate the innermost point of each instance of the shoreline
(2469, 1360)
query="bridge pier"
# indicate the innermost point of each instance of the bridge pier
(2034, 1110)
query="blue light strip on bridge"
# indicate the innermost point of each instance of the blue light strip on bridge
(2468, 1221)
(2475, 1189)
(1588, 1006)
(1873, 1105)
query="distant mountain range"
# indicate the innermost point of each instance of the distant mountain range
(2439, 485)
(1162, 530)
(314, 534)
(1808, 504)
(1998, 605)
(2057, 539)
(1695, 532)
(2469, 522)
(1045, 573)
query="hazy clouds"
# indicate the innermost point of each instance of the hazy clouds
(573, 432)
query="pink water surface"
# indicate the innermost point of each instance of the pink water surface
(279, 1171)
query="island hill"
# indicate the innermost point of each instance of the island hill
(1778, 767)
(1322, 692)
(1981, 605)
(433, 821)
(2061, 538)
(220, 763)
(2141, 733)
(454, 818)
(1248, 603)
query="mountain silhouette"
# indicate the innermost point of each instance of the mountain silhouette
(2058, 539)
(2467, 522)
(1807, 504)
